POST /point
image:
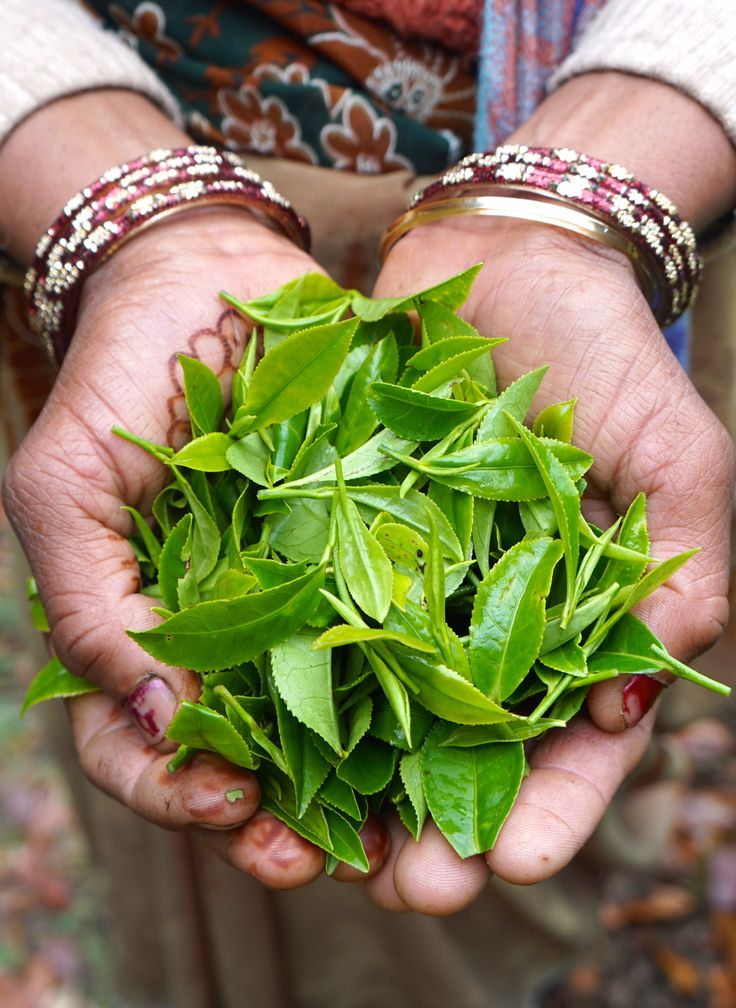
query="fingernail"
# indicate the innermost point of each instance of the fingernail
(151, 705)
(639, 695)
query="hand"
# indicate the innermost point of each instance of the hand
(64, 490)
(573, 305)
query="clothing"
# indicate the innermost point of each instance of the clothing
(51, 49)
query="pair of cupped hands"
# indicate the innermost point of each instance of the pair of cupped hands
(560, 301)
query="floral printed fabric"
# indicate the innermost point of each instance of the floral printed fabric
(304, 80)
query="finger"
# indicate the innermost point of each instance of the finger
(381, 888)
(431, 878)
(206, 792)
(71, 525)
(575, 773)
(622, 703)
(376, 843)
(269, 851)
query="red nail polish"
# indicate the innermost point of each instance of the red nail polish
(639, 695)
(151, 705)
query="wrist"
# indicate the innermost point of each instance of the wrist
(661, 135)
(61, 148)
(546, 256)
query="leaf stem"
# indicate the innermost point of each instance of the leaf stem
(162, 452)
(685, 672)
(553, 695)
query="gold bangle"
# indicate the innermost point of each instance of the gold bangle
(537, 209)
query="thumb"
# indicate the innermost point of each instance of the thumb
(65, 507)
(684, 460)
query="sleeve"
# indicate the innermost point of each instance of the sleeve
(53, 48)
(691, 46)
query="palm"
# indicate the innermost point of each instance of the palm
(566, 304)
(70, 479)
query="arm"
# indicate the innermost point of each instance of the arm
(567, 302)
(64, 488)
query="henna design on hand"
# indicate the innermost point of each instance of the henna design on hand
(220, 347)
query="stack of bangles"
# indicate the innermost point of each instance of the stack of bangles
(578, 193)
(120, 204)
(554, 186)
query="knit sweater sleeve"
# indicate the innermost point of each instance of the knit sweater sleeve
(54, 48)
(691, 46)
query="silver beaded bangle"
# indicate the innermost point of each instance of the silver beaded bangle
(121, 203)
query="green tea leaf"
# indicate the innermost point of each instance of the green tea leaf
(369, 767)
(556, 421)
(249, 455)
(232, 583)
(307, 766)
(465, 736)
(221, 634)
(315, 455)
(417, 415)
(402, 545)
(447, 694)
(458, 508)
(392, 687)
(502, 469)
(345, 842)
(359, 420)
(568, 658)
(483, 513)
(153, 546)
(627, 648)
(634, 535)
(443, 350)
(206, 453)
(205, 534)
(565, 502)
(312, 824)
(203, 395)
(303, 678)
(470, 792)
(586, 613)
(453, 368)
(451, 293)
(507, 625)
(339, 795)
(363, 563)
(385, 725)
(410, 769)
(371, 458)
(54, 681)
(201, 728)
(636, 593)
(301, 535)
(295, 374)
(515, 401)
(441, 323)
(413, 509)
(338, 636)
(271, 573)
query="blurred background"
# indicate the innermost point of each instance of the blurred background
(664, 858)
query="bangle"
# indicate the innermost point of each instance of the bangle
(123, 202)
(522, 206)
(622, 212)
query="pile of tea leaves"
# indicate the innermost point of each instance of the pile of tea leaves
(381, 574)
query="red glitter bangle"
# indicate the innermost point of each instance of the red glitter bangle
(645, 217)
(123, 201)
